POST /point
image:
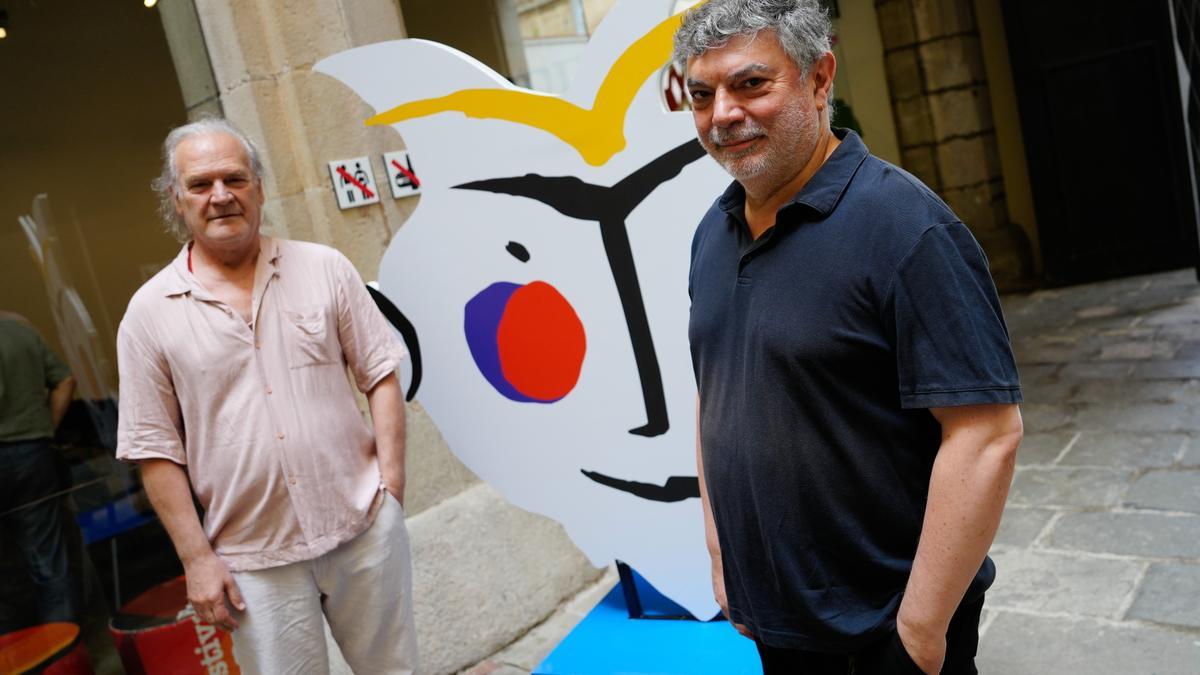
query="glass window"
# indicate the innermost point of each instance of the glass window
(78, 235)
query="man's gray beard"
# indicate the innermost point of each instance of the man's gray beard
(734, 164)
(753, 164)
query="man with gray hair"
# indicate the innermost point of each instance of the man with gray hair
(234, 394)
(858, 419)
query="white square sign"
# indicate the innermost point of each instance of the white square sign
(353, 182)
(401, 174)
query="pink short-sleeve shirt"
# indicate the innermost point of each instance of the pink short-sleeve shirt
(261, 415)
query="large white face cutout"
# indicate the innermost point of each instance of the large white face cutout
(545, 272)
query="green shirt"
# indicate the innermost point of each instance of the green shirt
(28, 369)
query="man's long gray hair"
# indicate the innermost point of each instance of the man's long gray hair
(167, 184)
(802, 26)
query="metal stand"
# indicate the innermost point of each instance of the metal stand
(633, 601)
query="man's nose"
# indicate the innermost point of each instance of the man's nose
(220, 193)
(727, 110)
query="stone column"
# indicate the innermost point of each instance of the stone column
(943, 116)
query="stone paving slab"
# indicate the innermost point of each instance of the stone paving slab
(1138, 349)
(1170, 594)
(1138, 416)
(1095, 371)
(1043, 447)
(1055, 582)
(1084, 487)
(1021, 526)
(1019, 644)
(1109, 448)
(524, 654)
(1132, 534)
(1191, 454)
(1166, 490)
(1044, 417)
(1141, 391)
(1168, 370)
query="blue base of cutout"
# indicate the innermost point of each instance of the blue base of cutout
(607, 641)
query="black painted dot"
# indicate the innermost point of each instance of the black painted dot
(517, 251)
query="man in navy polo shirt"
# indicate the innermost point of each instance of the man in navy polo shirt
(858, 423)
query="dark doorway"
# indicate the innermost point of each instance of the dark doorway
(1101, 109)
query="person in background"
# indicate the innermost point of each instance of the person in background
(35, 391)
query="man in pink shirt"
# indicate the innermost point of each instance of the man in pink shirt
(233, 376)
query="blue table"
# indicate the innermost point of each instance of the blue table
(106, 522)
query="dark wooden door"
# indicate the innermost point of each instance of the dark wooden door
(1102, 115)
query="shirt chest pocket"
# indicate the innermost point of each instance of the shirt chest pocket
(307, 336)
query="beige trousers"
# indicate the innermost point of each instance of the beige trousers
(363, 588)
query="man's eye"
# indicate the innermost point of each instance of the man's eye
(753, 82)
(700, 95)
(197, 187)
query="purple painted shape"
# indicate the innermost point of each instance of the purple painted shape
(481, 321)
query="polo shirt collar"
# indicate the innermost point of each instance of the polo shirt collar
(180, 281)
(822, 192)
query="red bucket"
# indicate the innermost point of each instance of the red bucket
(158, 633)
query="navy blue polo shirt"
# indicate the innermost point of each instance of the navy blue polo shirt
(818, 349)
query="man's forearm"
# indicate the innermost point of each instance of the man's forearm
(967, 490)
(386, 401)
(170, 492)
(60, 399)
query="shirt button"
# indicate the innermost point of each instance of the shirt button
(279, 435)
(291, 481)
(258, 345)
(268, 390)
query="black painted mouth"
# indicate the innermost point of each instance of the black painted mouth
(676, 489)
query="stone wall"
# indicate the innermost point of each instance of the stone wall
(547, 18)
(940, 101)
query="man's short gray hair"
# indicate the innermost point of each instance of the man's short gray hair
(167, 184)
(802, 26)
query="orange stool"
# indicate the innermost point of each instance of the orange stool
(52, 649)
(157, 633)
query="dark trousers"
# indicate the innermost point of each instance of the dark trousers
(32, 521)
(884, 657)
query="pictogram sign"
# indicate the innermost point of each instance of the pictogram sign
(401, 174)
(353, 182)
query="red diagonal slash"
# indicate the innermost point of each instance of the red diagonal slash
(365, 190)
(408, 174)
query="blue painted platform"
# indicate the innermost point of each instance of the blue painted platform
(607, 641)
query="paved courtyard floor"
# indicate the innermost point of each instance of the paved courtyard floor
(1098, 555)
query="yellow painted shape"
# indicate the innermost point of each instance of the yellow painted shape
(597, 134)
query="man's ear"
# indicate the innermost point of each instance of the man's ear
(823, 71)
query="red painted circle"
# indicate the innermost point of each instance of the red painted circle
(541, 342)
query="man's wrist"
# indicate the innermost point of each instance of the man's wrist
(919, 627)
(189, 559)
